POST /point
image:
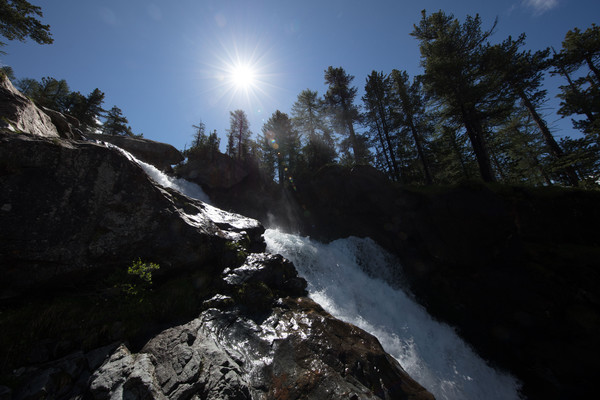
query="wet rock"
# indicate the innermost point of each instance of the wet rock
(161, 155)
(297, 351)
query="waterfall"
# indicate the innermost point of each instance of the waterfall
(431, 352)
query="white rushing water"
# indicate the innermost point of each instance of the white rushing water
(431, 352)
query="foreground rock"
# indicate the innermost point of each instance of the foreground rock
(250, 343)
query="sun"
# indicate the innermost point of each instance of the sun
(243, 76)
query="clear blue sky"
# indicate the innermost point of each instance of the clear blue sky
(166, 63)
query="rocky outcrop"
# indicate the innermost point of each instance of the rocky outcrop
(67, 126)
(19, 114)
(69, 209)
(284, 346)
(161, 155)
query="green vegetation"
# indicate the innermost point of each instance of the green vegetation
(138, 281)
(18, 21)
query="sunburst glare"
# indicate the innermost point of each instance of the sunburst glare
(241, 75)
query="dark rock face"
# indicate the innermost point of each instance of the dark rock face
(213, 170)
(514, 270)
(161, 155)
(69, 208)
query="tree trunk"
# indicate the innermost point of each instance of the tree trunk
(593, 68)
(389, 143)
(548, 138)
(392, 168)
(475, 133)
(452, 139)
(420, 151)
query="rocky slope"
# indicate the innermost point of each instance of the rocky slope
(514, 269)
(218, 319)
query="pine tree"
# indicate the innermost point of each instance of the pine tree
(379, 116)
(115, 123)
(581, 97)
(238, 135)
(284, 144)
(18, 21)
(310, 121)
(411, 115)
(340, 101)
(88, 110)
(522, 73)
(451, 54)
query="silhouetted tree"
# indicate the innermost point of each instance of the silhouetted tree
(283, 145)
(238, 135)
(340, 101)
(115, 123)
(18, 21)
(310, 121)
(451, 54)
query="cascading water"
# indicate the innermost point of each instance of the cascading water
(431, 352)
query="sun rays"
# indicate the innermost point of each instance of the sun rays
(240, 75)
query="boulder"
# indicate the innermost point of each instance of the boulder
(70, 208)
(288, 348)
(19, 114)
(161, 155)
(67, 126)
(213, 170)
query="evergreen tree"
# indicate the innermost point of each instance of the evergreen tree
(49, 92)
(214, 142)
(411, 115)
(115, 123)
(18, 21)
(310, 121)
(284, 145)
(8, 71)
(451, 54)
(200, 139)
(238, 139)
(522, 73)
(581, 97)
(88, 110)
(379, 116)
(340, 101)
